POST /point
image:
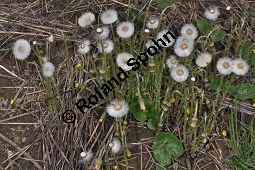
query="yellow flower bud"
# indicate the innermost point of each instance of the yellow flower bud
(188, 111)
(172, 100)
(12, 102)
(77, 85)
(129, 154)
(137, 94)
(78, 66)
(122, 76)
(253, 105)
(102, 118)
(194, 121)
(224, 133)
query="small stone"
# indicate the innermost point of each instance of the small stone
(51, 38)
(175, 166)
(146, 30)
(24, 139)
(193, 79)
(17, 140)
(9, 153)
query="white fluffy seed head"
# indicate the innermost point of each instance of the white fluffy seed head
(122, 60)
(152, 22)
(86, 156)
(109, 16)
(125, 29)
(162, 34)
(115, 145)
(183, 46)
(105, 46)
(84, 47)
(102, 32)
(212, 13)
(224, 65)
(21, 49)
(48, 69)
(180, 73)
(117, 108)
(240, 67)
(204, 59)
(86, 19)
(189, 31)
(172, 62)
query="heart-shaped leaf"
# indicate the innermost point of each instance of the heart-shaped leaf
(243, 91)
(163, 3)
(218, 35)
(246, 49)
(154, 118)
(204, 26)
(149, 114)
(166, 147)
(252, 59)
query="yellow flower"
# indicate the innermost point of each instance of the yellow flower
(172, 100)
(115, 167)
(12, 102)
(129, 154)
(224, 133)
(253, 105)
(78, 66)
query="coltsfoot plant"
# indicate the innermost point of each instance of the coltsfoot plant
(179, 79)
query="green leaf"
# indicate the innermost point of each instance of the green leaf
(136, 110)
(243, 91)
(215, 83)
(204, 26)
(166, 147)
(252, 60)
(152, 124)
(218, 35)
(163, 3)
(153, 116)
(246, 49)
(150, 114)
(240, 163)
